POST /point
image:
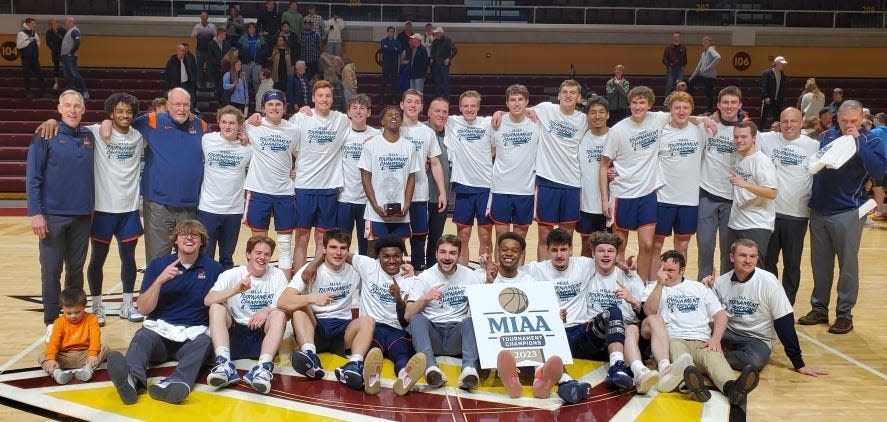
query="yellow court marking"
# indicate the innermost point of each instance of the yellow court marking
(580, 367)
(677, 407)
(198, 402)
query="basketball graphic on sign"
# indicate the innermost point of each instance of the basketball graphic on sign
(513, 300)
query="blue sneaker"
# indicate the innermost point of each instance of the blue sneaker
(223, 373)
(308, 364)
(573, 391)
(617, 377)
(260, 377)
(351, 374)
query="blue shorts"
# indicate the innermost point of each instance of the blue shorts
(471, 202)
(329, 335)
(591, 223)
(584, 343)
(419, 218)
(556, 203)
(347, 214)
(260, 207)
(376, 230)
(394, 343)
(512, 209)
(245, 343)
(316, 208)
(678, 218)
(125, 225)
(634, 213)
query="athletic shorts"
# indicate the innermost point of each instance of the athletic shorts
(584, 343)
(419, 218)
(556, 203)
(316, 208)
(634, 213)
(591, 223)
(385, 337)
(329, 334)
(245, 343)
(471, 203)
(680, 219)
(347, 214)
(260, 207)
(512, 209)
(377, 229)
(125, 225)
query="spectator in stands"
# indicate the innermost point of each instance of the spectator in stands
(349, 79)
(265, 84)
(69, 53)
(403, 37)
(428, 37)
(706, 72)
(203, 32)
(442, 52)
(158, 105)
(234, 22)
(811, 127)
(298, 89)
(391, 50)
(334, 27)
(253, 52)
(316, 23)
(674, 58)
(837, 100)
(311, 44)
(28, 45)
(290, 38)
(218, 47)
(181, 72)
(292, 17)
(617, 95)
(811, 100)
(281, 63)
(826, 117)
(773, 82)
(416, 58)
(54, 36)
(269, 22)
(235, 86)
(680, 86)
(232, 54)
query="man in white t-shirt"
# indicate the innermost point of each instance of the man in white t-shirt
(318, 169)
(686, 306)
(268, 185)
(789, 151)
(471, 153)
(352, 199)
(428, 152)
(244, 320)
(591, 215)
(515, 142)
(388, 168)
(754, 188)
(116, 170)
(437, 311)
(220, 209)
(329, 326)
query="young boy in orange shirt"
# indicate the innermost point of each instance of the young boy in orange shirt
(75, 347)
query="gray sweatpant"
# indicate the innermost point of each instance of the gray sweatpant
(835, 235)
(447, 339)
(148, 347)
(712, 223)
(65, 244)
(160, 220)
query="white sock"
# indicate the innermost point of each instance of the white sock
(309, 347)
(127, 299)
(224, 352)
(638, 368)
(285, 251)
(616, 357)
(96, 301)
(356, 358)
(265, 358)
(663, 364)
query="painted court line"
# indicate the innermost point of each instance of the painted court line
(846, 357)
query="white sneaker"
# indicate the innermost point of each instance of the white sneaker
(129, 312)
(673, 375)
(99, 312)
(62, 377)
(84, 373)
(435, 377)
(646, 381)
(468, 379)
(48, 333)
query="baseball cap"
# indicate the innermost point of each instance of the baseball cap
(780, 59)
(438, 30)
(416, 36)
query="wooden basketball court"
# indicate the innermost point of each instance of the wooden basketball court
(854, 389)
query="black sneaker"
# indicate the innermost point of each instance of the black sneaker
(695, 383)
(813, 318)
(841, 326)
(737, 391)
(120, 376)
(169, 391)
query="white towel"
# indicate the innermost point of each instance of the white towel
(833, 155)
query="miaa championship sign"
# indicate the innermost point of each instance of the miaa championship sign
(522, 318)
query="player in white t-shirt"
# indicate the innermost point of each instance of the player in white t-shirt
(220, 209)
(686, 306)
(268, 184)
(437, 311)
(318, 169)
(789, 151)
(244, 320)
(471, 151)
(514, 172)
(591, 148)
(754, 188)
(758, 312)
(116, 170)
(424, 140)
(353, 200)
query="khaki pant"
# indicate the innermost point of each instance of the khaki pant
(713, 364)
(75, 358)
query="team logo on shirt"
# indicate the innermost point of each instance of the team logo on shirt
(87, 140)
(741, 306)
(744, 174)
(604, 298)
(392, 161)
(593, 154)
(121, 152)
(682, 147)
(721, 145)
(787, 157)
(683, 304)
(566, 290)
(274, 142)
(256, 301)
(382, 293)
(516, 138)
(201, 275)
(644, 140)
(353, 151)
(453, 297)
(337, 291)
(417, 143)
(471, 134)
(224, 159)
(321, 136)
(562, 129)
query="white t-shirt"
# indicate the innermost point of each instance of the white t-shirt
(352, 191)
(680, 157)
(634, 149)
(752, 306)
(116, 170)
(558, 158)
(424, 142)
(390, 164)
(515, 165)
(718, 159)
(686, 309)
(273, 148)
(453, 304)
(591, 149)
(521, 277)
(601, 294)
(750, 211)
(790, 159)
(570, 286)
(342, 286)
(224, 170)
(320, 152)
(263, 292)
(470, 149)
(375, 299)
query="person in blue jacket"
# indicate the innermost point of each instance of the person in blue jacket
(391, 50)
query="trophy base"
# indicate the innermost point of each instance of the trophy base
(392, 209)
